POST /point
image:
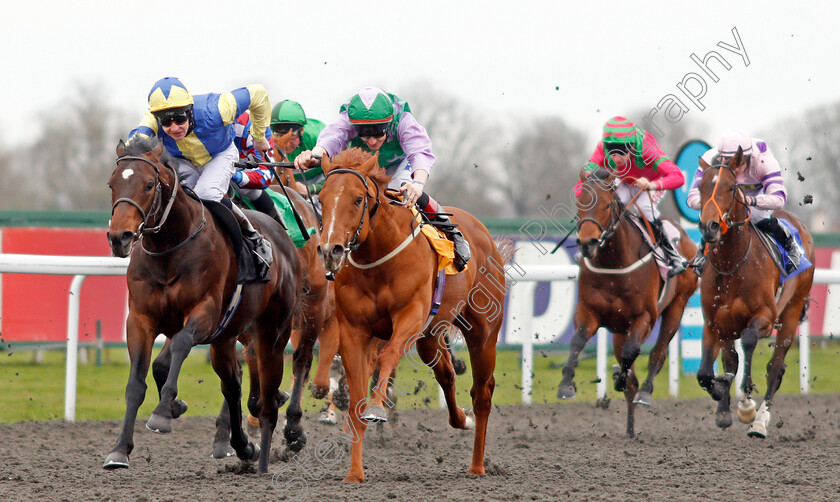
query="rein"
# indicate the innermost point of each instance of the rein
(155, 208)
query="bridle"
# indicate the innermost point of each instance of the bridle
(725, 218)
(354, 243)
(155, 208)
(617, 211)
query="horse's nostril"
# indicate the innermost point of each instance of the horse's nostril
(320, 251)
(127, 236)
(337, 251)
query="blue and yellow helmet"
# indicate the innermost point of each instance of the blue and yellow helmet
(167, 93)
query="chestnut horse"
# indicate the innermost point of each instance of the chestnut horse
(181, 279)
(619, 287)
(740, 296)
(383, 281)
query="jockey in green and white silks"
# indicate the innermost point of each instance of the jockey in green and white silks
(377, 121)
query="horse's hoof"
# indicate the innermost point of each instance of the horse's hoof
(116, 460)
(159, 424)
(746, 411)
(619, 379)
(469, 422)
(222, 450)
(329, 417)
(282, 398)
(374, 414)
(179, 407)
(251, 453)
(295, 439)
(354, 478)
(643, 398)
(459, 366)
(319, 391)
(757, 430)
(723, 419)
(566, 391)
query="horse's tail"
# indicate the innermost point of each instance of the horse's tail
(506, 248)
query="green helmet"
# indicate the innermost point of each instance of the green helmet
(370, 106)
(288, 112)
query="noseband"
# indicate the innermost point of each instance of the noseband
(354, 243)
(725, 218)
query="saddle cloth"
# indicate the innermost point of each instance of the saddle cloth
(779, 254)
(444, 247)
(284, 209)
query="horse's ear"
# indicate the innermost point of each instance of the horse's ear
(583, 175)
(326, 164)
(370, 165)
(703, 165)
(157, 151)
(737, 159)
(121, 149)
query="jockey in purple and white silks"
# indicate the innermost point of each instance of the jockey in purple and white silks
(377, 121)
(760, 177)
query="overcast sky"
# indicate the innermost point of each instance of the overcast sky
(584, 61)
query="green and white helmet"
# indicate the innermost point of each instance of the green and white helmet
(370, 106)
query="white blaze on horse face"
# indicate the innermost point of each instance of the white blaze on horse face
(714, 180)
(332, 222)
(127, 173)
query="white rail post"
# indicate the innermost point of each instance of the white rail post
(674, 365)
(527, 353)
(804, 357)
(739, 376)
(601, 362)
(72, 347)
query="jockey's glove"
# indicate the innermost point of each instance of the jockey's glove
(751, 200)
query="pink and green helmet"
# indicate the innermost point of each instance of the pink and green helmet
(621, 131)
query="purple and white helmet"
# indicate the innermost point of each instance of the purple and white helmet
(731, 140)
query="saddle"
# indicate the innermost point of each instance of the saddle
(242, 247)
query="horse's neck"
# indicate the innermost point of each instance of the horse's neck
(179, 224)
(622, 249)
(732, 248)
(388, 228)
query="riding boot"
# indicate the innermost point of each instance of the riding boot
(698, 263)
(430, 208)
(260, 247)
(675, 261)
(780, 233)
(265, 204)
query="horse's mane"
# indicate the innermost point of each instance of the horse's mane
(354, 157)
(140, 144)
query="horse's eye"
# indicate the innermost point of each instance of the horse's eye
(358, 201)
(732, 189)
(149, 186)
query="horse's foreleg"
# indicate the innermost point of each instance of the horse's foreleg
(140, 338)
(160, 370)
(626, 350)
(671, 318)
(223, 359)
(585, 327)
(180, 346)
(721, 386)
(706, 373)
(354, 348)
(328, 348)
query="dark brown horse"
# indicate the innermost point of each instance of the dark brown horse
(390, 298)
(314, 320)
(741, 298)
(181, 279)
(619, 288)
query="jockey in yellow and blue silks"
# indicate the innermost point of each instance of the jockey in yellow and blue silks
(198, 132)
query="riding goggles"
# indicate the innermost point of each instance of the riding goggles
(371, 130)
(281, 129)
(166, 117)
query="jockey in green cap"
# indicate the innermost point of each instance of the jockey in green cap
(377, 121)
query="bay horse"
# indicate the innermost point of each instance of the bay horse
(383, 281)
(741, 296)
(619, 288)
(181, 279)
(314, 321)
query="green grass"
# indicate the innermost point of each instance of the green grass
(36, 391)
